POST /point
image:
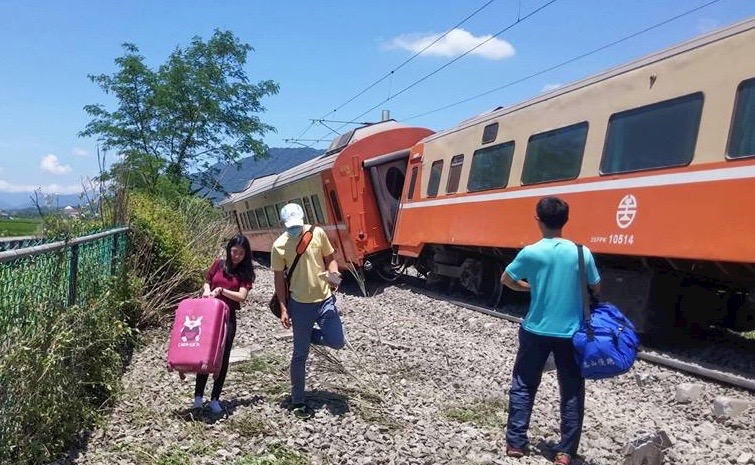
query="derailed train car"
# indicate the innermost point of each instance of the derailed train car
(352, 192)
(656, 159)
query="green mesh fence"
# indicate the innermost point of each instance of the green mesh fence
(38, 282)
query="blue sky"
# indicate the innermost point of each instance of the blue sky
(321, 53)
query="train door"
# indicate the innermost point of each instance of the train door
(387, 174)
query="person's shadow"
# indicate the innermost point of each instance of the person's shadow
(317, 399)
(204, 415)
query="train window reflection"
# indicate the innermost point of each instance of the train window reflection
(308, 210)
(318, 209)
(252, 219)
(489, 133)
(412, 183)
(261, 218)
(334, 204)
(555, 155)
(490, 167)
(654, 136)
(272, 216)
(454, 173)
(435, 171)
(742, 138)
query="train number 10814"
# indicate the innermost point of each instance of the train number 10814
(621, 239)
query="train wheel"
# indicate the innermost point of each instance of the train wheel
(388, 272)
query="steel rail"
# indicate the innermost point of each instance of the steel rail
(643, 354)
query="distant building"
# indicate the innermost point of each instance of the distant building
(71, 212)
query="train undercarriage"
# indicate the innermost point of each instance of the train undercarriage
(655, 293)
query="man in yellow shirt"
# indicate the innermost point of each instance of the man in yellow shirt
(310, 298)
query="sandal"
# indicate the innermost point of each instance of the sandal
(562, 458)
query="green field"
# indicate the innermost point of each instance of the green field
(19, 227)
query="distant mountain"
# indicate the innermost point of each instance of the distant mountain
(22, 200)
(235, 178)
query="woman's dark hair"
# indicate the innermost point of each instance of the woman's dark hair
(552, 212)
(245, 269)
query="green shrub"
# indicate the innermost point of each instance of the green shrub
(172, 245)
(54, 381)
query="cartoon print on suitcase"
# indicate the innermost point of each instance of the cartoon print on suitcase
(197, 338)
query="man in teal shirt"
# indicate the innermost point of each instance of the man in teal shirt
(549, 270)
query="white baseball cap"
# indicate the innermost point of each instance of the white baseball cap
(292, 215)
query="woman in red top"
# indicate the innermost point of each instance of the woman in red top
(230, 281)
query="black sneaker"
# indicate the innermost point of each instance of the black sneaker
(301, 411)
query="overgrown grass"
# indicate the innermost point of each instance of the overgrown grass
(482, 412)
(20, 227)
(54, 380)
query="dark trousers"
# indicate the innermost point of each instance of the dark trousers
(219, 380)
(528, 369)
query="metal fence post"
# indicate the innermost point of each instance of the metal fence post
(114, 255)
(73, 272)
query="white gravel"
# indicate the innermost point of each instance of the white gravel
(422, 382)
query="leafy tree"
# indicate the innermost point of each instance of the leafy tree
(195, 110)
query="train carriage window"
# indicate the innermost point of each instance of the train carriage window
(654, 136)
(318, 209)
(307, 205)
(261, 218)
(555, 155)
(334, 204)
(490, 167)
(742, 136)
(278, 208)
(489, 133)
(454, 173)
(252, 219)
(272, 216)
(434, 182)
(412, 183)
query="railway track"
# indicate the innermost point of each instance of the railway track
(649, 352)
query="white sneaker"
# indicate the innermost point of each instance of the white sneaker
(198, 402)
(215, 407)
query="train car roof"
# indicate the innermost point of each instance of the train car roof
(669, 52)
(315, 165)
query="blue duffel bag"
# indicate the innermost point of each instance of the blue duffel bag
(606, 343)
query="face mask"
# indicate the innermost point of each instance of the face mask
(294, 231)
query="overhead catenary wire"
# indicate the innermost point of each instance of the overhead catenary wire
(390, 73)
(564, 63)
(467, 52)
(405, 62)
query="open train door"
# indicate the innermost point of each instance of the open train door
(387, 173)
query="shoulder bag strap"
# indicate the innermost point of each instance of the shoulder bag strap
(302, 245)
(583, 287)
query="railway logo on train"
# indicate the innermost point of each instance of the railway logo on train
(627, 211)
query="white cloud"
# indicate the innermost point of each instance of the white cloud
(550, 87)
(51, 164)
(454, 43)
(79, 152)
(49, 188)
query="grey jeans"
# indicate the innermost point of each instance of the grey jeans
(330, 333)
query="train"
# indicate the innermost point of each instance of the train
(655, 157)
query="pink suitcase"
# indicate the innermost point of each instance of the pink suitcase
(198, 336)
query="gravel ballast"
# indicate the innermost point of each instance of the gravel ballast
(420, 382)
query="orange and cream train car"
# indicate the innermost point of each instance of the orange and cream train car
(656, 160)
(352, 191)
